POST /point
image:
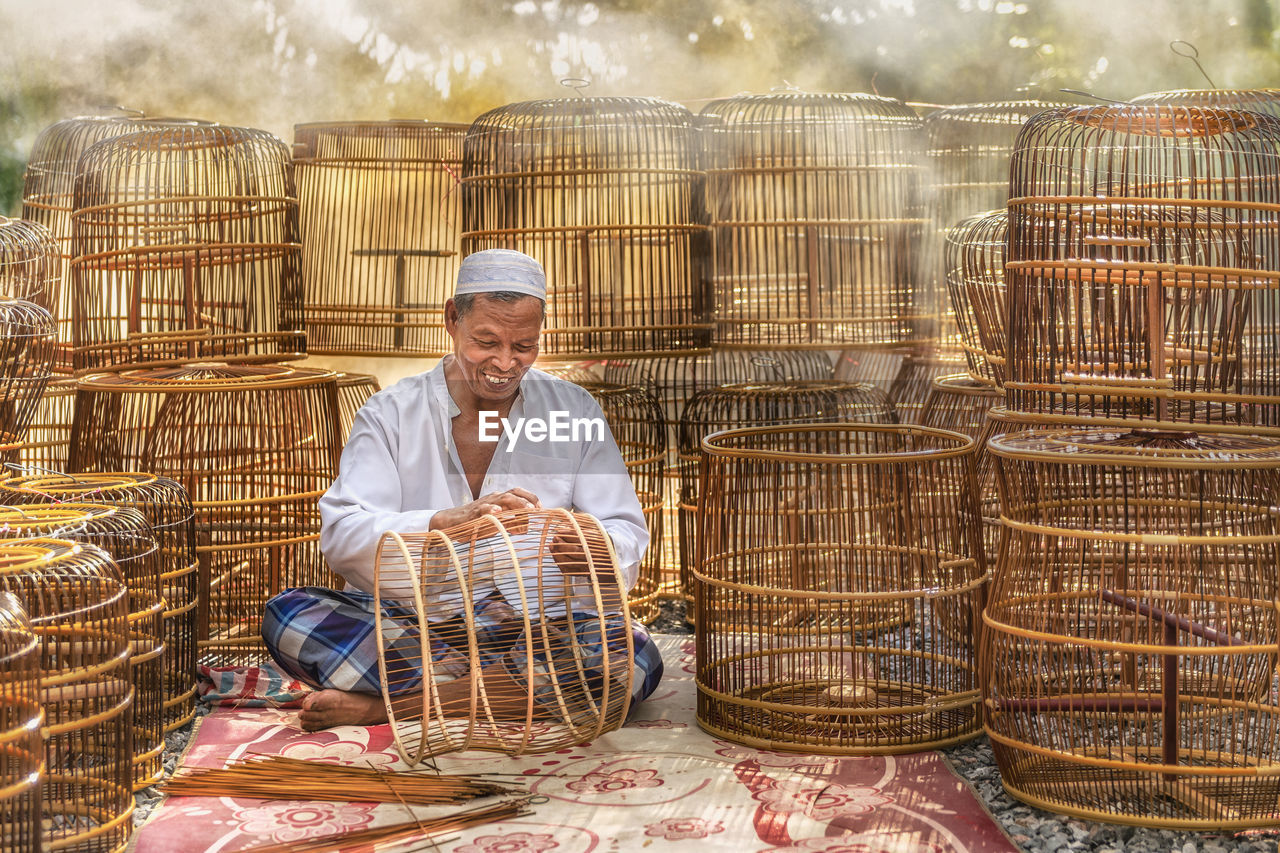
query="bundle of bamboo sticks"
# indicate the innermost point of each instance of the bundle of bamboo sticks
(276, 777)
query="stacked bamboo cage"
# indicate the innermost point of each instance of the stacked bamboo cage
(127, 537)
(1254, 100)
(22, 768)
(606, 194)
(973, 262)
(838, 588)
(78, 609)
(354, 390)
(554, 610)
(255, 446)
(380, 219)
(757, 404)
(1132, 635)
(26, 362)
(185, 247)
(46, 443)
(49, 188)
(167, 509)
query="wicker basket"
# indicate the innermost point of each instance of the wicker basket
(811, 536)
(167, 509)
(1132, 633)
(541, 579)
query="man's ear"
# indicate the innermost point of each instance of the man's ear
(450, 318)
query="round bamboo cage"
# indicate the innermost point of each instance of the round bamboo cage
(254, 446)
(606, 193)
(961, 404)
(1131, 635)
(354, 389)
(30, 264)
(974, 263)
(1143, 267)
(126, 536)
(535, 592)
(635, 418)
(759, 404)
(185, 247)
(817, 218)
(22, 769)
(167, 508)
(78, 607)
(810, 534)
(26, 363)
(380, 219)
(45, 444)
(1255, 100)
(49, 187)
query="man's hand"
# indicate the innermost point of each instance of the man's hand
(571, 558)
(490, 504)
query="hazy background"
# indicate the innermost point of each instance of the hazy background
(272, 63)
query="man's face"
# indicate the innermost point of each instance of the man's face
(494, 344)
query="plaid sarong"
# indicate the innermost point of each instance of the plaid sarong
(325, 638)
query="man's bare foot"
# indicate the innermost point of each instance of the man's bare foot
(325, 709)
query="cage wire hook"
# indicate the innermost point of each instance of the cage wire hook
(1194, 56)
(123, 109)
(577, 84)
(24, 468)
(1084, 94)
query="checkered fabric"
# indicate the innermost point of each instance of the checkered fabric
(326, 638)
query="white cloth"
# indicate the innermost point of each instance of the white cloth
(399, 468)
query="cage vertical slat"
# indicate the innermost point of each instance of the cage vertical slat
(22, 770)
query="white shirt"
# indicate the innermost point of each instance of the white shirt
(400, 467)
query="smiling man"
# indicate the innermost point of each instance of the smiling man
(423, 455)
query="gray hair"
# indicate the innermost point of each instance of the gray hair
(466, 301)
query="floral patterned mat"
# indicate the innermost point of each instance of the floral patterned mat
(656, 784)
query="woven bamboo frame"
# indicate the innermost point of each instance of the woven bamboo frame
(759, 404)
(22, 769)
(1143, 265)
(817, 217)
(185, 247)
(968, 149)
(48, 193)
(635, 418)
(578, 692)
(354, 389)
(381, 227)
(254, 447)
(810, 533)
(918, 370)
(30, 263)
(127, 537)
(26, 362)
(167, 508)
(1255, 100)
(1131, 633)
(78, 607)
(961, 404)
(46, 441)
(974, 267)
(606, 193)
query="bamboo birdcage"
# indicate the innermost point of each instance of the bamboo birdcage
(254, 446)
(1255, 100)
(607, 194)
(817, 217)
(1131, 633)
(185, 247)
(635, 418)
(974, 267)
(26, 362)
(49, 187)
(354, 390)
(811, 533)
(1143, 265)
(30, 263)
(759, 404)
(167, 508)
(380, 219)
(552, 602)
(126, 536)
(46, 442)
(78, 608)
(22, 768)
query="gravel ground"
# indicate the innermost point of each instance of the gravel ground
(1029, 827)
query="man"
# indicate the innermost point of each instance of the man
(421, 457)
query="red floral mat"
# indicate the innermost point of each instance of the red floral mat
(657, 783)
